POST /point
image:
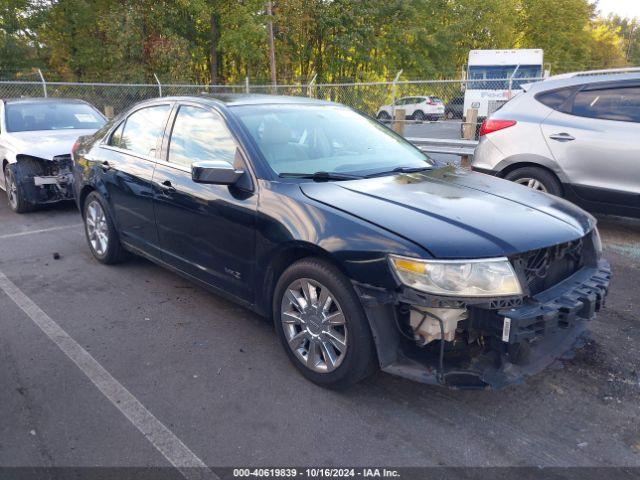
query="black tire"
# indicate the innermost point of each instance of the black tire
(384, 117)
(418, 116)
(360, 358)
(114, 251)
(449, 115)
(16, 195)
(547, 179)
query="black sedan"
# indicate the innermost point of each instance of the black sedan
(364, 252)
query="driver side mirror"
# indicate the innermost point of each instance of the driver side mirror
(217, 172)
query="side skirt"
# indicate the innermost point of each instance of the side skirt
(191, 278)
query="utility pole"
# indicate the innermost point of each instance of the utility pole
(272, 48)
(632, 30)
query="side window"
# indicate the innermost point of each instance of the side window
(200, 134)
(622, 104)
(554, 98)
(116, 136)
(143, 128)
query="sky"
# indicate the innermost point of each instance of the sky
(624, 8)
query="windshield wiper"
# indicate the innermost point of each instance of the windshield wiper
(320, 176)
(399, 170)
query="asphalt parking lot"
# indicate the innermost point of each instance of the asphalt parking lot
(445, 129)
(216, 377)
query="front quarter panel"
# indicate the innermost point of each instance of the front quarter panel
(289, 219)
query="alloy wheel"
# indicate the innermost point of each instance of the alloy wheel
(314, 325)
(12, 189)
(97, 228)
(532, 183)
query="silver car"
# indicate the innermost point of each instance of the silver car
(575, 136)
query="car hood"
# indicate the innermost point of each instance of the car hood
(46, 144)
(457, 214)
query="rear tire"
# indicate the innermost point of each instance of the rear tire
(339, 334)
(102, 236)
(419, 116)
(16, 197)
(536, 178)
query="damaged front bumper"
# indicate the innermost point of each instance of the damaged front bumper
(516, 339)
(50, 182)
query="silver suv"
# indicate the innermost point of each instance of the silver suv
(575, 136)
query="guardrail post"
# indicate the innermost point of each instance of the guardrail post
(246, 85)
(159, 85)
(469, 133)
(399, 121)
(108, 111)
(44, 83)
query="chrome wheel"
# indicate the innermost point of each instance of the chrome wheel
(532, 183)
(97, 228)
(12, 189)
(314, 325)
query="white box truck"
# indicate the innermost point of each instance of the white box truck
(494, 76)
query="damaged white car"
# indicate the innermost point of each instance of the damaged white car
(36, 137)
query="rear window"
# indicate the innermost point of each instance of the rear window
(26, 117)
(555, 98)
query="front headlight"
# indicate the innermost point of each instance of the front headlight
(492, 277)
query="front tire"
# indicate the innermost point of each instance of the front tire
(16, 197)
(322, 326)
(536, 178)
(100, 231)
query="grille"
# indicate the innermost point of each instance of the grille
(546, 267)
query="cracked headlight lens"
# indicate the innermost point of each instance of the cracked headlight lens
(492, 277)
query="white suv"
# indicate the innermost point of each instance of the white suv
(416, 108)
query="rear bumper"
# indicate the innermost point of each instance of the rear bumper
(542, 329)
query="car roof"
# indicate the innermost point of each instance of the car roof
(582, 79)
(236, 99)
(42, 100)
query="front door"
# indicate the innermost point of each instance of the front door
(207, 231)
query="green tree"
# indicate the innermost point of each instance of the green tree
(561, 29)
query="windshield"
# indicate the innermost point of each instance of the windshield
(495, 77)
(311, 138)
(25, 117)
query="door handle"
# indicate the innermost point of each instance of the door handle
(562, 137)
(167, 187)
(105, 166)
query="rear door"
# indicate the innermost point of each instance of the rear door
(127, 161)
(207, 231)
(594, 138)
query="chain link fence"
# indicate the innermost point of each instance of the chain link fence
(433, 108)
